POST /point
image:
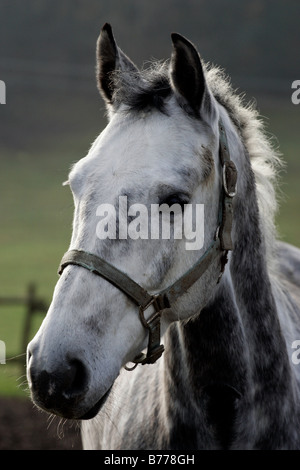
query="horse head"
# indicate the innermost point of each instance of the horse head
(160, 148)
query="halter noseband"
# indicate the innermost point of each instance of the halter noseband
(167, 297)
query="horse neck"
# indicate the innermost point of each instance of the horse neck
(249, 274)
(234, 350)
(208, 363)
(271, 378)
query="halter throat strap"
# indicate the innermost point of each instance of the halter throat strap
(166, 298)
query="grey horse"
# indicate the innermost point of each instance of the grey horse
(227, 378)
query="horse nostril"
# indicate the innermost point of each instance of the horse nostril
(58, 389)
(76, 380)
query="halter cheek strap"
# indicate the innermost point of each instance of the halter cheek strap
(166, 298)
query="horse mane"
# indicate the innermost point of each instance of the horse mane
(150, 88)
(264, 158)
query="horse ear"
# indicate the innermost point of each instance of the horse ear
(187, 75)
(109, 58)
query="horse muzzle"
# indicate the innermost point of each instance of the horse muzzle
(63, 388)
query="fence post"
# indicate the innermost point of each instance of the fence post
(33, 304)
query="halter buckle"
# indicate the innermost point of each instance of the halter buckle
(157, 312)
(229, 174)
(155, 349)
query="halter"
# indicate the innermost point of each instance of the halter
(220, 246)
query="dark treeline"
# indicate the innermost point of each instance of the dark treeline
(249, 37)
(47, 53)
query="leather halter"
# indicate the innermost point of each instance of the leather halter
(219, 248)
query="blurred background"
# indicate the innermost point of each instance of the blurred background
(53, 113)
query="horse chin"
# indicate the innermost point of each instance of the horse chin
(70, 413)
(96, 408)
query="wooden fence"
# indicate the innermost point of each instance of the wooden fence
(33, 305)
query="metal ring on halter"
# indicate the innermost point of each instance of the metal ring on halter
(229, 174)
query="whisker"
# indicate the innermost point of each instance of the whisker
(15, 357)
(50, 420)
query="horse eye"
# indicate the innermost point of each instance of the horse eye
(175, 199)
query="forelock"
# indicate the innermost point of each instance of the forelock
(139, 91)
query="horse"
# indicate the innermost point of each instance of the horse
(210, 332)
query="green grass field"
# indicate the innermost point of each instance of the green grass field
(36, 212)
